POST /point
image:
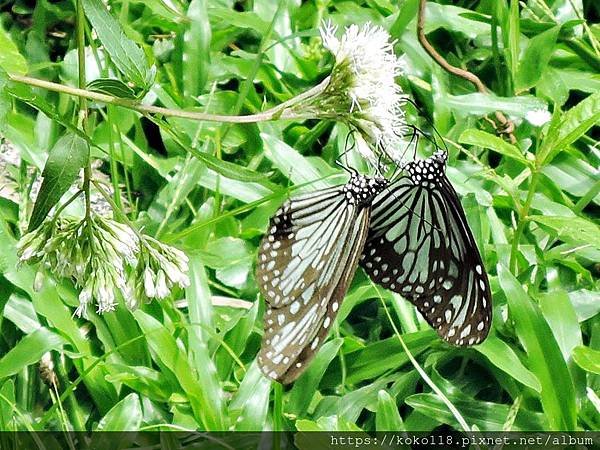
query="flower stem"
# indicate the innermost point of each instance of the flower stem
(82, 120)
(283, 111)
(523, 219)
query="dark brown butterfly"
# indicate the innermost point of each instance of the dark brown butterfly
(305, 264)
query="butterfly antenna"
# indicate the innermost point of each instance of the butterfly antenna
(430, 122)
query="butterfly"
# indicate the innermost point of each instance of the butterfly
(420, 246)
(306, 262)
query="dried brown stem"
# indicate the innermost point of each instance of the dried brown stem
(506, 126)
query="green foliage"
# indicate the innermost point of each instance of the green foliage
(65, 159)
(188, 362)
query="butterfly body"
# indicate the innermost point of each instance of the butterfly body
(420, 246)
(305, 265)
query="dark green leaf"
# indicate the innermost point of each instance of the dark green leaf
(300, 395)
(535, 58)
(487, 140)
(127, 56)
(112, 87)
(66, 158)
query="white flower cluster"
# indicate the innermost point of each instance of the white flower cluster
(105, 257)
(365, 72)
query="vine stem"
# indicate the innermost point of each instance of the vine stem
(283, 111)
(507, 127)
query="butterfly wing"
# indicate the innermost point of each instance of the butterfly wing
(406, 249)
(420, 246)
(321, 237)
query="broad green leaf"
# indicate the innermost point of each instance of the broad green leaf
(535, 58)
(308, 382)
(387, 417)
(575, 122)
(544, 357)
(487, 140)
(29, 350)
(587, 358)
(127, 56)
(571, 229)
(124, 416)
(196, 48)
(480, 104)
(10, 59)
(560, 315)
(503, 357)
(65, 160)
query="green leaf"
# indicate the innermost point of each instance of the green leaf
(10, 59)
(252, 400)
(5, 102)
(308, 382)
(513, 38)
(573, 125)
(127, 56)
(200, 315)
(29, 350)
(587, 358)
(65, 160)
(291, 163)
(571, 229)
(124, 416)
(112, 87)
(7, 414)
(196, 49)
(387, 418)
(480, 104)
(487, 140)
(503, 356)
(487, 416)
(535, 58)
(171, 355)
(560, 315)
(543, 354)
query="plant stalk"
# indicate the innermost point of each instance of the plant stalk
(283, 111)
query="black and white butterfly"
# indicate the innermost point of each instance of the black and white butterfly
(420, 246)
(305, 264)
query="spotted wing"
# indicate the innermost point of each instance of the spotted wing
(420, 245)
(321, 238)
(407, 246)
